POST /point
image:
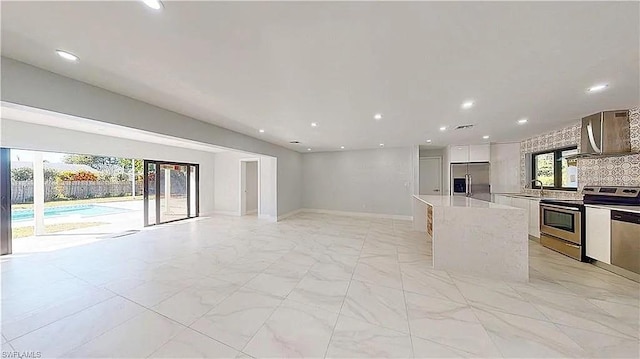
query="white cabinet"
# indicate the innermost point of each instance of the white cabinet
(521, 203)
(500, 199)
(458, 154)
(598, 236)
(534, 218)
(531, 207)
(505, 167)
(479, 153)
(469, 153)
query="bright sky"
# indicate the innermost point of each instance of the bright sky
(22, 155)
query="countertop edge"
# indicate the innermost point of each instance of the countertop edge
(490, 205)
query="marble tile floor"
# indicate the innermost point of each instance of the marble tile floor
(313, 285)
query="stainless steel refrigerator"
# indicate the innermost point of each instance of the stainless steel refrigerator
(471, 180)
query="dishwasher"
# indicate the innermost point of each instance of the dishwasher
(625, 240)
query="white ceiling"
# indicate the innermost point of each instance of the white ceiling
(280, 66)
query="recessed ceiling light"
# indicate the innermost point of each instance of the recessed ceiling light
(67, 55)
(597, 88)
(467, 104)
(308, 149)
(154, 4)
(382, 145)
(523, 121)
(314, 124)
(378, 116)
(443, 128)
(342, 147)
(261, 130)
(428, 141)
(486, 137)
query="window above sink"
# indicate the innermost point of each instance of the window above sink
(554, 170)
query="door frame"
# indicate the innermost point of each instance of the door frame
(439, 166)
(6, 240)
(243, 183)
(145, 183)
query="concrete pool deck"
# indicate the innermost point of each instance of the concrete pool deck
(117, 223)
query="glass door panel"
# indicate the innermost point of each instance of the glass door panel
(173, 192)
(170, 191)
(193, 191)
(149, 193)
(5, 201)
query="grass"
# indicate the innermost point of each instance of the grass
(22, 232)
(77, 201)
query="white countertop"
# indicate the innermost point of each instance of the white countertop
(632, 209)
(459, 201)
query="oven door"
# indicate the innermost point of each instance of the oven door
(561, 222)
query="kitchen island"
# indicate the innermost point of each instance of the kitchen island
(475, 237)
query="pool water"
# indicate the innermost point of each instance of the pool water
(86, 210)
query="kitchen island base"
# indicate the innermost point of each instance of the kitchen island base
(475, 237)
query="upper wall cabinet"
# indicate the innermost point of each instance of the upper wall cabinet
(479, 153)
(469, 153)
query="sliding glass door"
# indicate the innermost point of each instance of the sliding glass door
(5, 201)
(171, 191)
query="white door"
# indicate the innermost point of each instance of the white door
(431, 176)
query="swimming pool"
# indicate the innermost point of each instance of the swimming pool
(85, 210)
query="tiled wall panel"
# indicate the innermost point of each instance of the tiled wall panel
(610, 171)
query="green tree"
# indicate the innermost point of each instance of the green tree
(96, 162)
(126, 164)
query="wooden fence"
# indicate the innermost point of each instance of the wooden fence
(22, 191)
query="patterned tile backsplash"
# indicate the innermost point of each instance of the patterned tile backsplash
(610, 171)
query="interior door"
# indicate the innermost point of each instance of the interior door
(430, 176)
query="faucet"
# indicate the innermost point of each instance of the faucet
(541, 186)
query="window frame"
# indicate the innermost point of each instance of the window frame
(557, 168)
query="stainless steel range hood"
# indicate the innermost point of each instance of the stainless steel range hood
(605, 134)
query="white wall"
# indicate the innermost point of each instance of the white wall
(269, 188)
(251, 184)
(227, 184)
(376, 181)
(28, 136)
(31, 86)
(446, 172)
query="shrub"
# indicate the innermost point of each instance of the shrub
(77, 176)
(22, 174)
(105, 177)
(122, 177)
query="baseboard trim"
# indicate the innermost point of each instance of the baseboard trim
(267, 217)
(359, 214)
(226, 213)
(252, 211)
(289, 214)
(617, 270)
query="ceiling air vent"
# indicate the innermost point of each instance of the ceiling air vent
(463, 127)
(294, 142)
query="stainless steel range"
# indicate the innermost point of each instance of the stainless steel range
(562, 222)
(562, 227)
(619, 196)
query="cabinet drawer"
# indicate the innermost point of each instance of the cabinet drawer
(561, 246)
